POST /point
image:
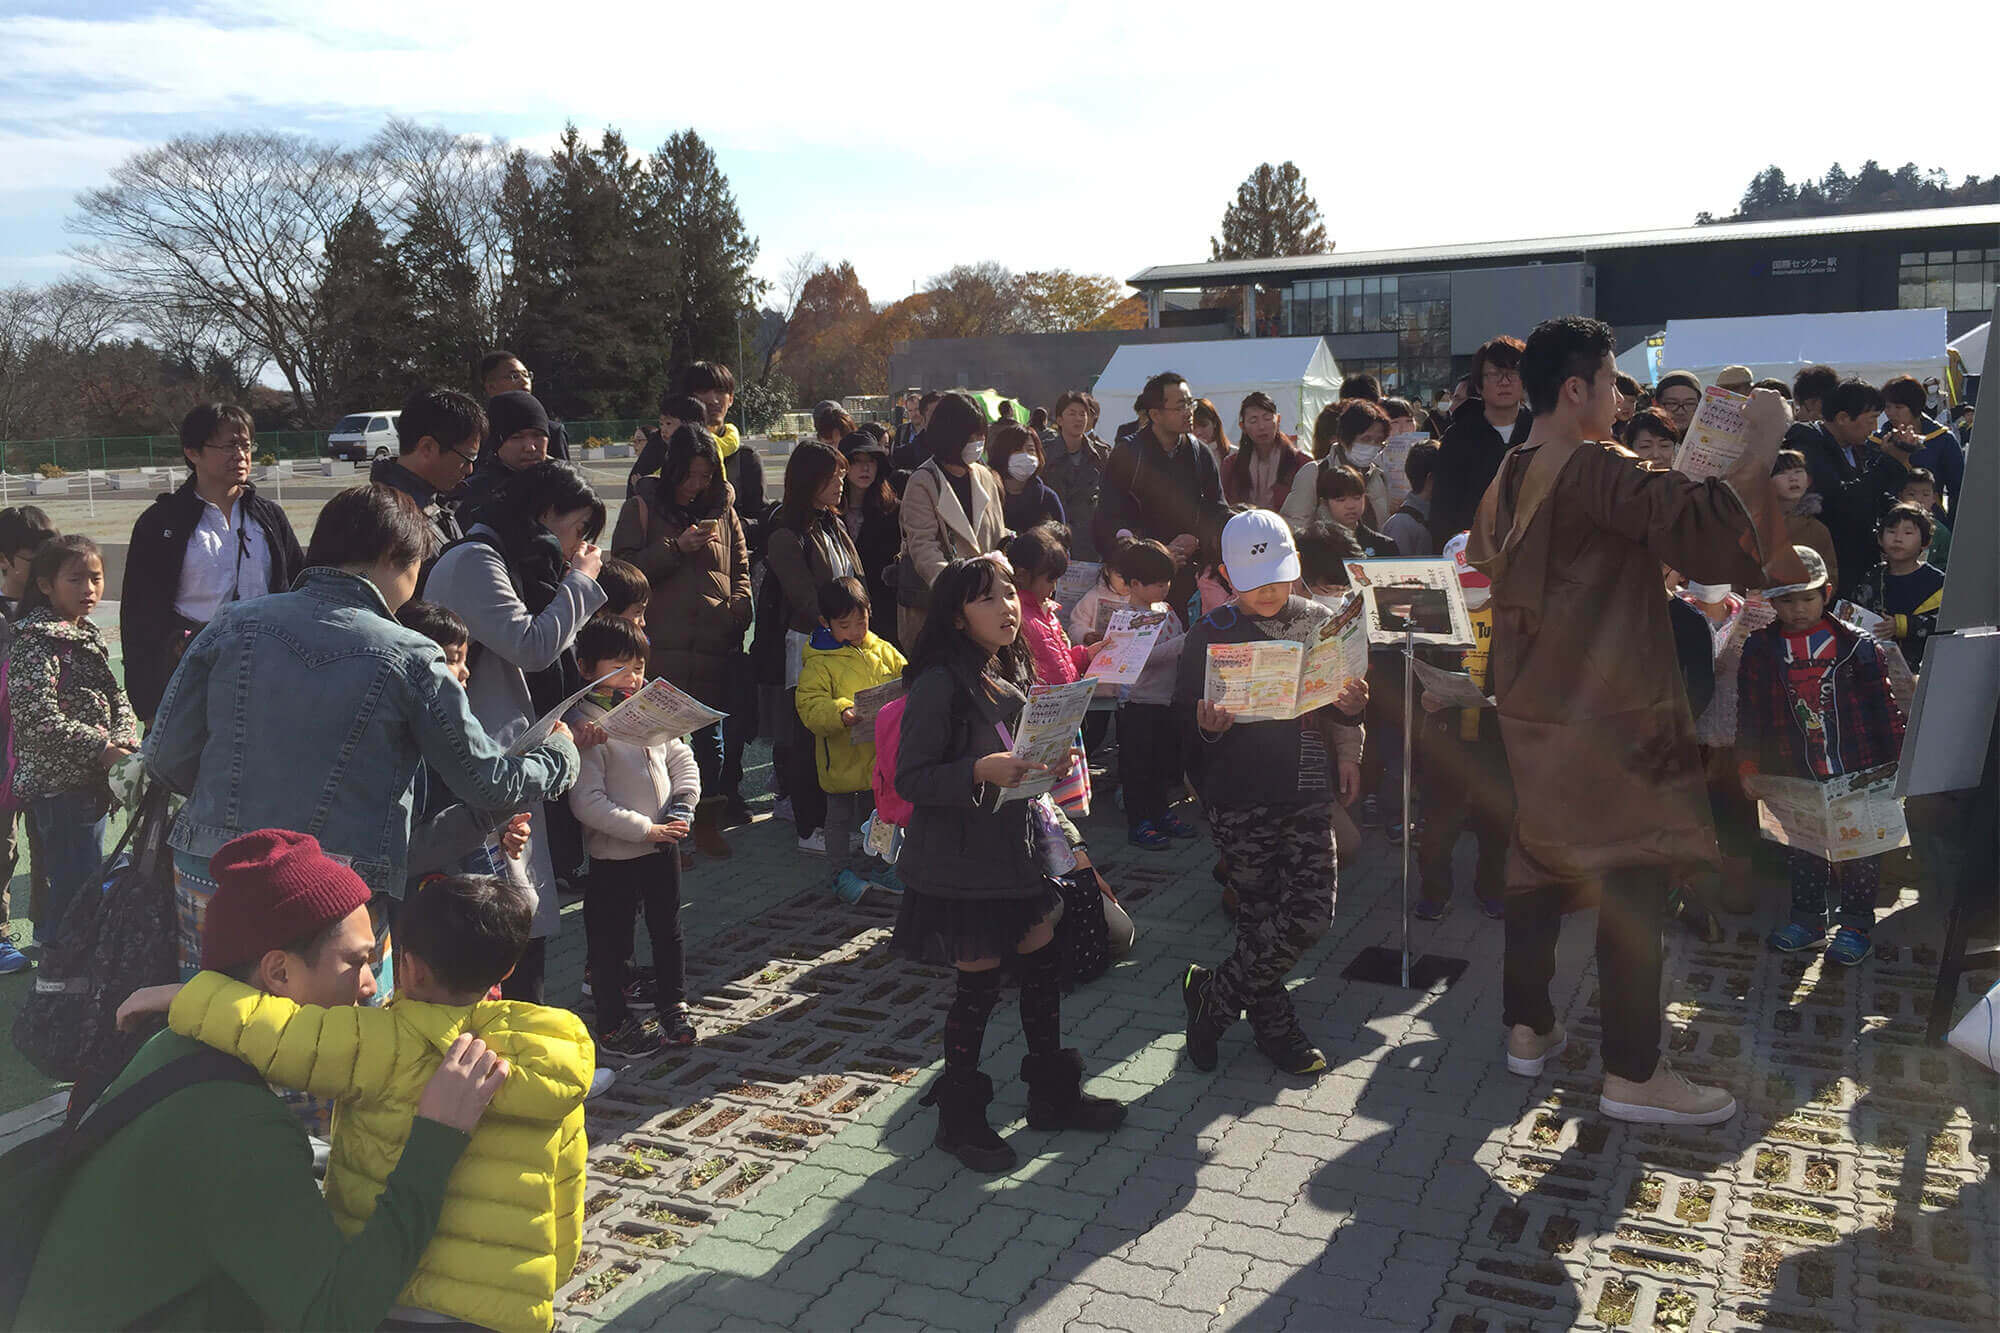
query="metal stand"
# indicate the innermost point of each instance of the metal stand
(1378, 963)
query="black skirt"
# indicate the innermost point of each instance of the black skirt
(944, 931)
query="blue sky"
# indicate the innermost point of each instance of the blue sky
(1101, 137)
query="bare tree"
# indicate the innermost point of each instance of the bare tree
(799, 271)
(459, 177)
(234, 225)
(45, 334)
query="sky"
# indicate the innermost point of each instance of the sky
(1102, 137)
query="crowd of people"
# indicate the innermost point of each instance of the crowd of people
(368, 809)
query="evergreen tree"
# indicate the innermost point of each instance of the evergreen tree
(694, 228)
(364, 306)
(575, 298)
(1272, 216)
(444, 296)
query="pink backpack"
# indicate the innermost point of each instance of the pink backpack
(889, 807)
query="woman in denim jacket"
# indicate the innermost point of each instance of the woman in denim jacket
(312, 710)
(524, 581)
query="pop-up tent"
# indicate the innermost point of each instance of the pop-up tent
(1642, 360)
(1868, 344)
(1300, 374)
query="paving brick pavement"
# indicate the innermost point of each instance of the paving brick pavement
(780, 1175)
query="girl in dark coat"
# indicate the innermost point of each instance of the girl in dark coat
(977, 889)
(868, 507)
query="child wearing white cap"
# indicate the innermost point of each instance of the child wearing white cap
(1270, 788)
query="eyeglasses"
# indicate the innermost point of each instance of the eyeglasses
(1680, 404)
(1499, 375)
(245, 447)
(468, 460)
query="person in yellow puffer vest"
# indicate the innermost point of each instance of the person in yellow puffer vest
(842, 659)
(513, 1214)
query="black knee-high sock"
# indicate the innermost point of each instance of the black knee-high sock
(1041, 1000)
(965, 1022)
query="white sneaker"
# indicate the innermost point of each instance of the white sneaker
(815, 845)
(600, 1082)
(1529, 1052)
(782, 809)
(1665, 1099)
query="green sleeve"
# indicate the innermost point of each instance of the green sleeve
(270, 1232)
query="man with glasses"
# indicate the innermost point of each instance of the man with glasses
(214, 540)
(1678, 394)
(1163, 483)
(438, 434)
(1491, 420)
(503, 372)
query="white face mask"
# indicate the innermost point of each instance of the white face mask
(1364, 455)
(1022, 466)
(970, 454)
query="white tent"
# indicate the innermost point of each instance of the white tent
(1869, 344)
(1300, 374)
(1971, 348)
(1642, 360)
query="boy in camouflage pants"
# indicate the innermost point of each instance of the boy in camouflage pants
(1270, 788)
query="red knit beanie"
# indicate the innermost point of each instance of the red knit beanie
(272, 888)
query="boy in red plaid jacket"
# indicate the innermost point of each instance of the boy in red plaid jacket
(1813, 701)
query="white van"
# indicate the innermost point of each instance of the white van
(363, 436)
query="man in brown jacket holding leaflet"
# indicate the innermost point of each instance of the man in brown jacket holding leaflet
(1600, 741)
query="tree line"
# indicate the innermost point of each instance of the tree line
(1872, 189)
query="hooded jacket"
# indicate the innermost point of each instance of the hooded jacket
(65, 705)
(513, 1212)
(833, 673)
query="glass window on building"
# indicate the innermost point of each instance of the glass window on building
(1951, 279)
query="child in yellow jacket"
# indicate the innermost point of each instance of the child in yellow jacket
(513, 1213)
(842, 660)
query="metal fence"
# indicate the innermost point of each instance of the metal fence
(107, 453)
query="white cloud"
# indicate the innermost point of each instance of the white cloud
(1101, 136)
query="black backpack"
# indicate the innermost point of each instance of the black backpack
(119, 934)
(35, 1175)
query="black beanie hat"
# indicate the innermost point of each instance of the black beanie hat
(512, 412)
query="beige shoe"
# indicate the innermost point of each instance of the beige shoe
(1528, 1052)
(1665, 1099)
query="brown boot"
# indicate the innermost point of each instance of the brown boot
(708, 839)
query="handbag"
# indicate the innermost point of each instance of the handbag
(1052, 849)
(119, 933)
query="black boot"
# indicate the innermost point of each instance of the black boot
(961, 1100)
(1056, 1099)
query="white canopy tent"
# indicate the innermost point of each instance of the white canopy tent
(1971, 348)
(1642, 360)
(1873, 345)
(1300, 374)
